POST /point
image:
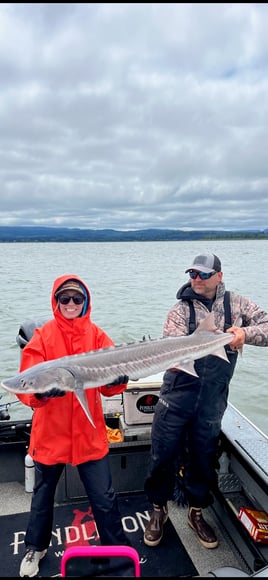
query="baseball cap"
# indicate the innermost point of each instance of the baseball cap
(70, 285)
(206, 263)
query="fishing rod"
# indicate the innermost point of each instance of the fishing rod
(4, 414)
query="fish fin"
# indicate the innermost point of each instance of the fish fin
(238, 321)
(207, 324)
(239, 350)
(187, 368)
(80, 395)
(221, 353)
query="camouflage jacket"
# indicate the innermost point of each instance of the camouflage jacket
(245, 313)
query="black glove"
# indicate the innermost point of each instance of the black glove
(50, 394)
(119, 381)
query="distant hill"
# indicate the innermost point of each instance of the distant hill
(60, 234)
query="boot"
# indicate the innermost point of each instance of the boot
(154, 530)
(204, 532)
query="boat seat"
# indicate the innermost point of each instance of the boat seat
(231, 572)
(26, 331)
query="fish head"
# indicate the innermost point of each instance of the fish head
(39, 381)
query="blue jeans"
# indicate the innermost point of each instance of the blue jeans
(96, 478)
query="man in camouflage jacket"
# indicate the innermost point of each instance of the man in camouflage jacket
(187, 420)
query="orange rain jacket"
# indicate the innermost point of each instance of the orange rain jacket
(61, 432)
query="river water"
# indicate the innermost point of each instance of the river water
(133, 285)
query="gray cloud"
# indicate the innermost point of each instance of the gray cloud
(131, 116)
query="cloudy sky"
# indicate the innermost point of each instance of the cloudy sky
(132, 116)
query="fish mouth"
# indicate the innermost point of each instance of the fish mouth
(58, 378)
(9, 386)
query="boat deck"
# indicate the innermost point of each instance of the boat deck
(14, 499)
(247, 471)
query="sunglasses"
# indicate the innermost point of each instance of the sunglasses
(65, 299)
(202, 275)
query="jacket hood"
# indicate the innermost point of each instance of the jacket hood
(186, 292)
(59, 282)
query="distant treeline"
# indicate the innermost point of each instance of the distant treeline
(60, 234)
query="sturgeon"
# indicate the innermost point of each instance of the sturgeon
(135, 359)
